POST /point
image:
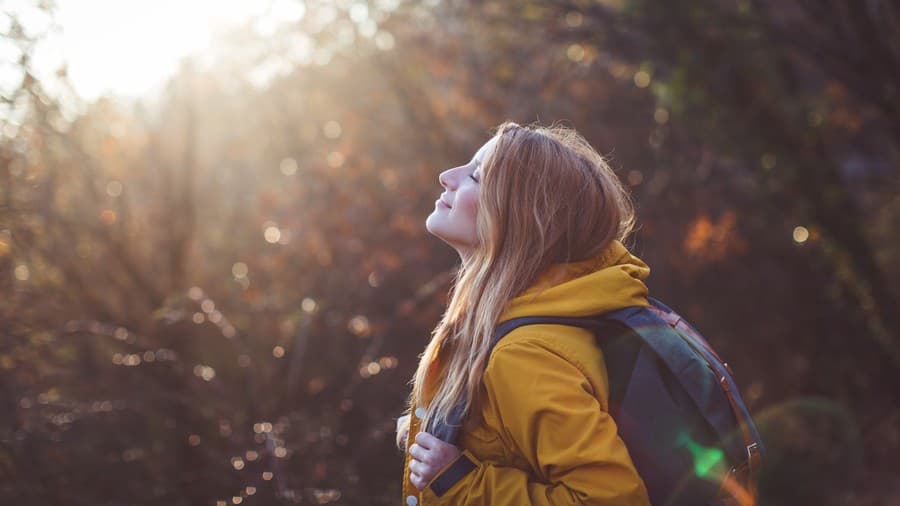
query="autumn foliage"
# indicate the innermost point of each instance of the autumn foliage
(219, 296)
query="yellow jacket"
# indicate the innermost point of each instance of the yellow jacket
(547, 437)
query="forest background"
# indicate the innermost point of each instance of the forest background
(217, 294)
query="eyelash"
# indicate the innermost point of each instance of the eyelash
(473, 178)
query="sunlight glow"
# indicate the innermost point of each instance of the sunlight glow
(130, 48)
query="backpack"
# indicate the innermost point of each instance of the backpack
(675, 403)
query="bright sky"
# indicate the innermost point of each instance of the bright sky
(130, 47)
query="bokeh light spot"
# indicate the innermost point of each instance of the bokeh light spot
(635, 177)
(384, 40)
(195, 293)
(359, 325)
(335, 159)
(114, 188)
(309, 305)
(575, 52)
(272, 234)
(332, 130)
(205, 372)
(574, 19)
(388, 362)
(107, 216)
(239, 270)
(641, 79)
(21, 272)
(288, 166)
(316, 385)
(359, 12)
(661, 116)
(801, 234)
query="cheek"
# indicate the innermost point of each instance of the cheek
(467, 205)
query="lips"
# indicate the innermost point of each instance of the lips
(440, 202)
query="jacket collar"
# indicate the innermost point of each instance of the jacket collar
(612, 280)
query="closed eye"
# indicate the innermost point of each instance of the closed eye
(473, 178)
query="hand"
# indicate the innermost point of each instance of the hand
(430, 455)
(403, 421)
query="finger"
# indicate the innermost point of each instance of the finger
(428, 441)
(416, 480)
(418, 452)
(421, 469)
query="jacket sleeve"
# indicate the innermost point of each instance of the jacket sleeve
(551, 415)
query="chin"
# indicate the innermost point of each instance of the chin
(429, 224)
(435, 223)
(435, 230)
(437, 233)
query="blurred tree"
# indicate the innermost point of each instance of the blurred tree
(219, 296)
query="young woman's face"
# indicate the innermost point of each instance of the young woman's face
(456, 211)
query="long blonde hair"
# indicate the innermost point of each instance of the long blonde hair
(547, 197)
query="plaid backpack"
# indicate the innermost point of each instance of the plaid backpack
(675, 403)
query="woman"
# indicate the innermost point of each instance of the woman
(537, 218)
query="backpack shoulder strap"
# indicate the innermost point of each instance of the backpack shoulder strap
(448, 431)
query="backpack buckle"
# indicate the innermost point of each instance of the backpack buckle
(754, 457)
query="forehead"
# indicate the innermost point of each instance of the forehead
(485, 150)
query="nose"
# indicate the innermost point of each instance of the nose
(446, 179)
